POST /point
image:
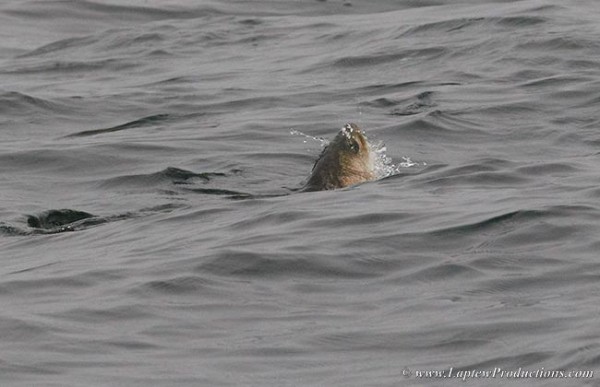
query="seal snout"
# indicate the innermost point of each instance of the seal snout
(350, 128)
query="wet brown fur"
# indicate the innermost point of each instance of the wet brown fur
(345, 161)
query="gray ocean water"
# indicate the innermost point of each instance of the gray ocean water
(150, 228)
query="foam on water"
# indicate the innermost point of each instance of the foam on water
(383, 165)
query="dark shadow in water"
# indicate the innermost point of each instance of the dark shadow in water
(487, 224)
(236, 195)
(8, 230)
(420, 103)
(224, 192)
(53, 222)
(57, 221)
(145, 121)
(180, 176)
(170, 175)
(65, 220)
(184, 180)
(56, 218)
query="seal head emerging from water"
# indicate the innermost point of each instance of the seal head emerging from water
(345, 161)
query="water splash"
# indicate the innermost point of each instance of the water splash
(307, 137)
(383, 165)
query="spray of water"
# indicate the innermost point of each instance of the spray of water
(307, 137)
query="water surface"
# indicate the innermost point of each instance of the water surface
(181, 255)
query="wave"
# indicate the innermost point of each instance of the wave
(466, 24)
(230, 262)
(429, 53)
(67, 220)
(170, 175)
(152, 120)
(82, 9)
(15, 103)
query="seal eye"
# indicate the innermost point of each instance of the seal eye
(354, 146)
